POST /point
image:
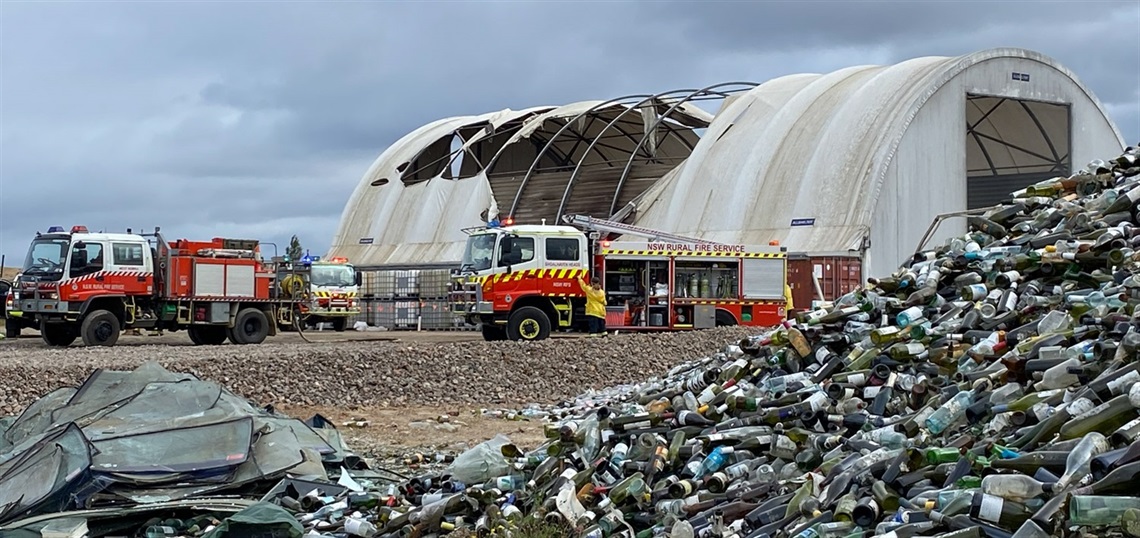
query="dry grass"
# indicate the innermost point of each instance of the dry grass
(8, 273)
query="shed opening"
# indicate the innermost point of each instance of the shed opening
(1013, 143)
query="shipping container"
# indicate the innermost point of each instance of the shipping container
(837, 275)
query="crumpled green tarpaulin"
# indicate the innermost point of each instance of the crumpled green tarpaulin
(262, 520)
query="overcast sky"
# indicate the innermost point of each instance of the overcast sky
(257, 119)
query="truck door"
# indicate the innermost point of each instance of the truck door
(132, 267)
(516, 260)
(85, 276)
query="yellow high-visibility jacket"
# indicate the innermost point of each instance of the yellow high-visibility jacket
(595, 300)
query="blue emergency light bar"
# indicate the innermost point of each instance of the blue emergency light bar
(55, 230)
(497, 223)
(308, 259)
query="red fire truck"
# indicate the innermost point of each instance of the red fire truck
(95, 285)
(521, 282)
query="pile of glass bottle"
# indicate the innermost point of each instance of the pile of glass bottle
(987, 388)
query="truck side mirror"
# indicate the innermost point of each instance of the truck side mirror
(358, 278)
(505, 251)
(79, 255)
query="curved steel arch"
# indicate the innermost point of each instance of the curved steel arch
(550, 143)
(613, 122)
(633, 155)
(499, 152)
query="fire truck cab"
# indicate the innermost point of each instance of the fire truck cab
(521, 282)
(526, 280)
(95, 285)
(335, 286)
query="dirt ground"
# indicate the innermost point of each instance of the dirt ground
(386, 436)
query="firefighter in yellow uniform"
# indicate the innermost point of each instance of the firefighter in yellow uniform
(790, 304)
(595, 305)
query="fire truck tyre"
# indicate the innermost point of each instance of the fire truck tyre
(100, 328)
(207, 335)
(57, 334)
(340, 324)
(492, 333)
(250, 327)
(11, 329)
(528, 323)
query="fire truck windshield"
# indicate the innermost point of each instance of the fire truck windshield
(46, 256)
(477, 255)
(333, 275)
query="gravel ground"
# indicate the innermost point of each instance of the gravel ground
(352, 375)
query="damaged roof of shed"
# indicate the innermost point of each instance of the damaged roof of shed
(533, 164)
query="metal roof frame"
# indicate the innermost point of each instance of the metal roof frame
(633, 154)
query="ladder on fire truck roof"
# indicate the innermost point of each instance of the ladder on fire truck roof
(622, 228)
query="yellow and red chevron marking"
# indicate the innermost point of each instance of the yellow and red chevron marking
(534, 273)
(104, 274)
(328, 294)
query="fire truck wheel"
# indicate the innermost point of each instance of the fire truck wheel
(528, 323)
(57, 334)
(340, 324)
(492, 333)
(207, 335)
(250, 327)
(100, 328)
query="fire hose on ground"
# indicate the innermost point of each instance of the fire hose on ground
(293, 286)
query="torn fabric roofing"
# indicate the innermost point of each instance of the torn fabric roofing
(413, 202)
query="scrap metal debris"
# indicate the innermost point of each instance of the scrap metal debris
(150, 436)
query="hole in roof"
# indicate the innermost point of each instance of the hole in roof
(380, 182)
(455, 167)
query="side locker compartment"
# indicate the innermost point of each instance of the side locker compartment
(240, 280)
(219, 313)
(209, 279)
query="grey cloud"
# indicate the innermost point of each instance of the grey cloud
(790, 26)
(258, 119)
